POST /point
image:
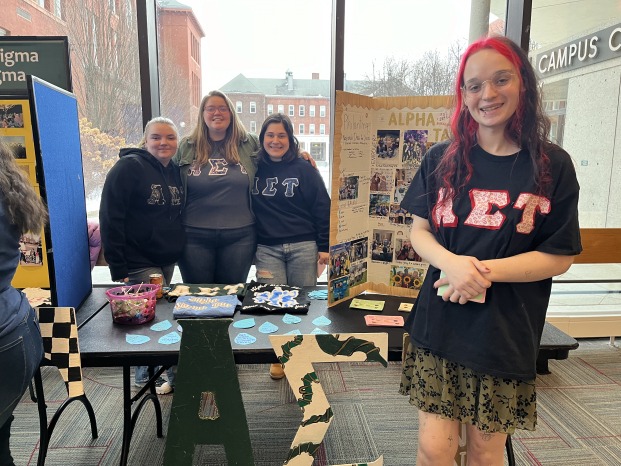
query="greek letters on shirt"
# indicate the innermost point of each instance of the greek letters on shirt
(157, 195)
(482, 203)
(218, 167)
(271, 185)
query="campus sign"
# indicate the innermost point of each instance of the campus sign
(44, 57)
(588, 50)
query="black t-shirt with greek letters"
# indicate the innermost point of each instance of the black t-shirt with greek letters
(498, 214)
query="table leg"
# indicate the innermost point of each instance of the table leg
(127, 415)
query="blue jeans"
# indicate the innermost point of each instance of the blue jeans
(21, 352)
(217, 256)
(141, 374)
(287, 264)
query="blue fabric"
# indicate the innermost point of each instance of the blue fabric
(21, 351)
(13, 305)
(141, 374)
(205, 306)
(287, 264)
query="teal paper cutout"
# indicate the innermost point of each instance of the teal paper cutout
(318, 331)
(268, 327)
(245, 339)
(291, 319)
(170, 338)
(245, 323)
(161, 326)
(321, 321)
(136, 339)
(294, 332)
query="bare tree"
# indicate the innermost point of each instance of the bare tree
(104, 57)
(432, 74)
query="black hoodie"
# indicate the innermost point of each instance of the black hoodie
(140, 213)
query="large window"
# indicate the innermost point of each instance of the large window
(579, 90)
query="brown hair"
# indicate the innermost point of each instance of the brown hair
(235, 133)
(23, 205)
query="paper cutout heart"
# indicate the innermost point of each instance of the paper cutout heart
(294, 332)
(245, 339)
(244, 323)
(161, 326)
(291, 319)
(268, 327)
(170, 338)
(318, 331)
(321, 321)
(136, 339)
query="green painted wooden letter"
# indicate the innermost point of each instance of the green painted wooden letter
(207, 407)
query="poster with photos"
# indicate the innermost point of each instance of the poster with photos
(379, 145)
(32, 270)
(15, 129)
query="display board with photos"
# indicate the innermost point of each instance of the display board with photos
(379, 143)
(16, 134)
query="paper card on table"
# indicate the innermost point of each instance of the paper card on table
(244, 323)
(367, 304)
(291, 319)
(268, 327)
(383, 321)
(321, 321)
(170, 338)
(318, 294)
(136, 339)
(245, 339)
(161, 326)
(405, 307)
(294, 332)
(480, 298)
(318, 331)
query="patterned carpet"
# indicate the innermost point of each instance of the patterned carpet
(579, 417)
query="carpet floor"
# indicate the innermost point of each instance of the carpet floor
(579, 407)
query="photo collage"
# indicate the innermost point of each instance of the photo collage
(383, 253)
(16, 134)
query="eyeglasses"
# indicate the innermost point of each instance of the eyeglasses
(221, 109)
(499, 81)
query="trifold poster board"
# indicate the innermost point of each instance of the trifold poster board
(379, 143)
(16, 134)
(56, 135)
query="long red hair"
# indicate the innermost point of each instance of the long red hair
(529, 128)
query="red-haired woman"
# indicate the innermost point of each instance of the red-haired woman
(495, 209)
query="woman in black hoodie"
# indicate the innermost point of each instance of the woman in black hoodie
(140, 216)
(140, 210)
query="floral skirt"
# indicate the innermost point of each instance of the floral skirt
(492, 404)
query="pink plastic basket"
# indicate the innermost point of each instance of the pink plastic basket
(133, 304)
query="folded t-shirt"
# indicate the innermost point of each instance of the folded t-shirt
(205, 306)
(275, 299)
(208, 289)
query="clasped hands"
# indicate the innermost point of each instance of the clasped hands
(466, 277)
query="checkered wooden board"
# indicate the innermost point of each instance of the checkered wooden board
(60, 344)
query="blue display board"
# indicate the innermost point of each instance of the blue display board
(57, 145)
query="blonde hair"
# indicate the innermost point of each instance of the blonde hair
(23, 206)
(235, 133)
(152, 121)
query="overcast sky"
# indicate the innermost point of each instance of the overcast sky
(265, 38)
